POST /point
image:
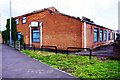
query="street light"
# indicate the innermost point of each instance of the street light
(10, 26)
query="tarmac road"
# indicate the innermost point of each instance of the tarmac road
(18, 65)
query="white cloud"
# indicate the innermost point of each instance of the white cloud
(30, 5)
(89, 8)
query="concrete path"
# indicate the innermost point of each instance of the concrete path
(103, 51)
(0, 60)
(17, 65)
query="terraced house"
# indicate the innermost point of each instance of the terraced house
(50, 27)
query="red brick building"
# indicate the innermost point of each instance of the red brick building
(50, 27)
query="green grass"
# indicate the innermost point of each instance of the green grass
(79, 66)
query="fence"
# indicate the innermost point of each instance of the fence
(44, 46)
(17, 46)
(80, 48)
(13, 44)
(29, 45)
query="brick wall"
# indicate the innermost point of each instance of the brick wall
(62, 31)
(58, 30)
(90, 36)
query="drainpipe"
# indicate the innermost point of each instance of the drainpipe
(84, 35)
(30, 35)
(107, 37)
(40, 34)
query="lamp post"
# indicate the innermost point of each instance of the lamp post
(10, 26)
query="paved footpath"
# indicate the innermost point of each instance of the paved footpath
(0, 61)
(103, 52)
(17, 65)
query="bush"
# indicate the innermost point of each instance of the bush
(22, 40)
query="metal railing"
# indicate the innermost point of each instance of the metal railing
(29, 45)
(13, 44)
(44, 46)
(80, 48)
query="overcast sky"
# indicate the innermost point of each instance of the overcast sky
(102, 12)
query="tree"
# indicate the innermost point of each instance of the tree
(78, 17)
(6, 33)
(5, 36)
(21, 40)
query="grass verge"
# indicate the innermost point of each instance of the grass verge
(79, 66)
